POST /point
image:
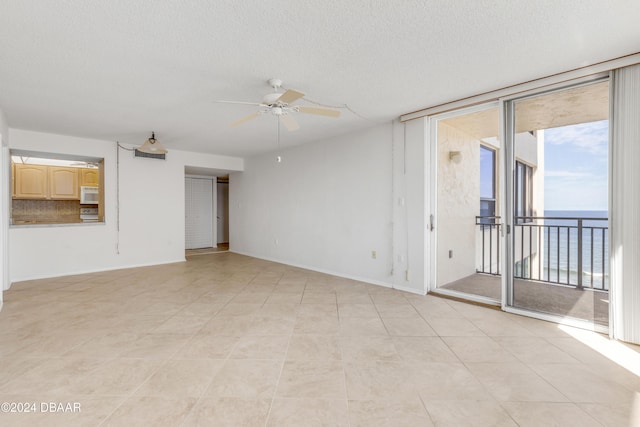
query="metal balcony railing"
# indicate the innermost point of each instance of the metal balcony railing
(565, 251)
(489, 240)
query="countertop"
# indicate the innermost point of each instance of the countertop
(46, 223)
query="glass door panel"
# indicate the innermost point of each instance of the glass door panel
(560, 203)
(468, 218)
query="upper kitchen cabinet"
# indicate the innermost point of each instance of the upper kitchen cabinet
(45, 182)
(89, 177)
(47, 189)
(30, 181)
(63, 183)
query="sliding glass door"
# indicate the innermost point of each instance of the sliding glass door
(467, 152)
(521, 203)
(557, 216)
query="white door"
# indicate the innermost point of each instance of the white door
(198, 213)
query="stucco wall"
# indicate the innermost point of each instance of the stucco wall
(458, 204)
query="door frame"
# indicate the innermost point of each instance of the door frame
(225, 222)
(214, 207)
(506, 170)
(507, 128)
(432, 146)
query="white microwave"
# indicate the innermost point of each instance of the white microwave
(89, 195)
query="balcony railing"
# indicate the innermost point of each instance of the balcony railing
(489, 240)
(561, 250)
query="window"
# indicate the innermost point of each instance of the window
(487, 185)
(523, 193)
(49, 188)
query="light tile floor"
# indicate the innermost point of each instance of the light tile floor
(227, 340)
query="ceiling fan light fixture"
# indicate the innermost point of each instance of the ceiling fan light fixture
(280, 105)
(152, 146)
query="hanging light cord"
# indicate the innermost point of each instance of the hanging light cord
(124, 148)
(118, 147)
(278, 156)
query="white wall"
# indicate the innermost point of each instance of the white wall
(151, 220)
(328, 205)
(4, 128)
(412, 177)
(526, 148)
(4, 207)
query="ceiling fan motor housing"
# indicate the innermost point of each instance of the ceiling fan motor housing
(271, 98)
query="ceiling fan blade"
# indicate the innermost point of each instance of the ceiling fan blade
(245, 119)
(319, 111)
(290, 95)
(289, 122)
(238, 102)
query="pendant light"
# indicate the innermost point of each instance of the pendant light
(152, 146)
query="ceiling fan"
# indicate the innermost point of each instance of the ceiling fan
(279, 104)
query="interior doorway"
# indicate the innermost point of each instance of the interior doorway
(199, 208)
(222, 212)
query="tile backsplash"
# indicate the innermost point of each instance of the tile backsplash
(46, 210)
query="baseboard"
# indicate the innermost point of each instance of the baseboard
(279, 261)
(410, 290)
(75, 273)
(332, 273)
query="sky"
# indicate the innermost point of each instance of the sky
(576, 167)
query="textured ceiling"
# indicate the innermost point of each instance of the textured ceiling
(582, 104)
(118, 69)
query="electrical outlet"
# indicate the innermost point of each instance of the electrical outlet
(406, 275)
(374, 254)
(276, 242)
(450, 253)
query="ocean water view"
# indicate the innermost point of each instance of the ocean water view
(561, 252)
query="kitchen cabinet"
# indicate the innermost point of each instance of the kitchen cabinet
(30, 181)
(63, 183)
(89, 177)
(41, 182)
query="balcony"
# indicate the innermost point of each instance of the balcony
(557, 260)
(550, 249)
